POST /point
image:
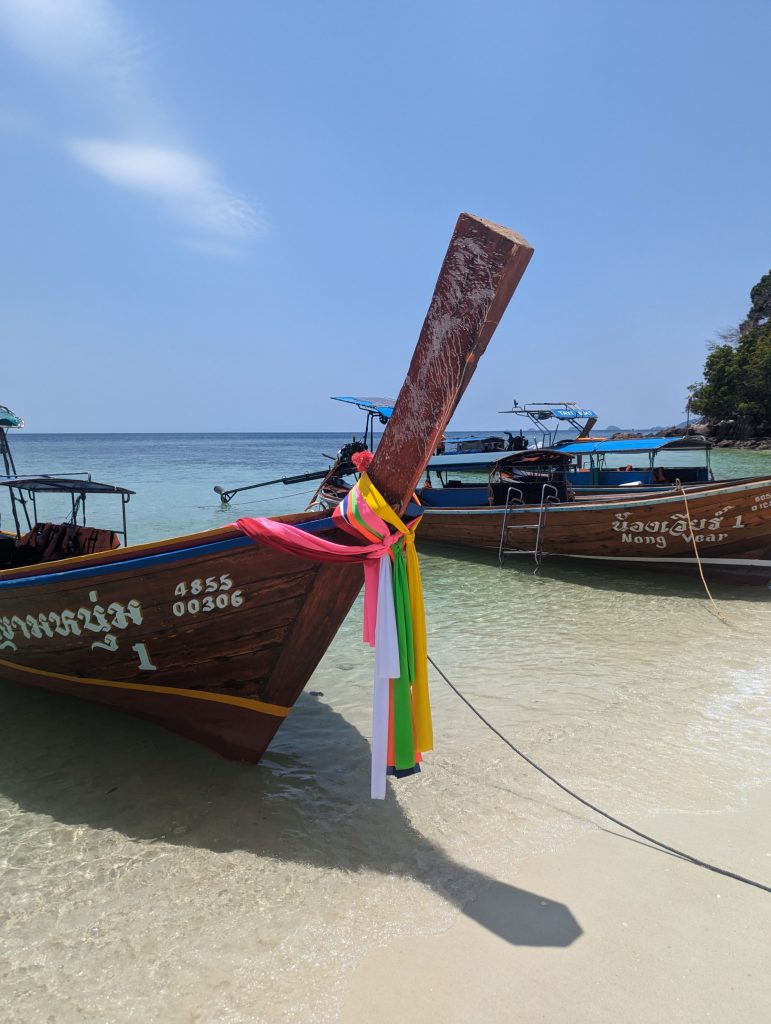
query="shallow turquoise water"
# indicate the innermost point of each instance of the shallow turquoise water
(145, 879)
(174, 474)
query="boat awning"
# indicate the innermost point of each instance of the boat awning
(465, 462)
(552, 410)
(61, 485)
(572, 414)
(636, 444)
(532, 458)
(9, 419)
(473, 437)
(382, 407)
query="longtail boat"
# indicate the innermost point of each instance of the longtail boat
(212, 635)
(599, 465)
(529, 508)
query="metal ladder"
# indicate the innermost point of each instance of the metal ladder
(514, 499)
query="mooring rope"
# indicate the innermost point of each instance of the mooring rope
(678, 483)
(598, 810)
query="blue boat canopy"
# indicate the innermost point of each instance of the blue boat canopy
(476, 461)
(569, 414)
(9, 419)
(472, 437)
(466, 462)
(383, 407)
(634, 444)
(552, 410)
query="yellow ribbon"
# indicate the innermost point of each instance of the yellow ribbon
(421, 703)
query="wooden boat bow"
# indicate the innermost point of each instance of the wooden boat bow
(480, 273)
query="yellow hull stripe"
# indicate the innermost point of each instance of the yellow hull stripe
(240, 702)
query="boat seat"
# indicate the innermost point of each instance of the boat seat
(48, 542)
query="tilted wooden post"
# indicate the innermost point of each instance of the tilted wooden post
(482, 268)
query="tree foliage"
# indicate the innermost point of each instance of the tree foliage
(760, 311)
(737, 372)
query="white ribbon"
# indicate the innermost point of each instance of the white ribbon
(387, 667)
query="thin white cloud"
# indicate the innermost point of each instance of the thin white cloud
(65, 33)
(88, 37)
(184, 182)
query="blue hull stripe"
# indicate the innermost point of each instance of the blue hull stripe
(152, 561)
(129, 564)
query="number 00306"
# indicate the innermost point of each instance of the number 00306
(208, 603)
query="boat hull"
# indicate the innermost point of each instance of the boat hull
(212, 635)
(729, 522)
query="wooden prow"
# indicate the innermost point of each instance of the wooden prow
(482, 268)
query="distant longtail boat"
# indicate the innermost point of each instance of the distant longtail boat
(529, 508)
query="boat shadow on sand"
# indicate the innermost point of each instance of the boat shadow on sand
(308, 801)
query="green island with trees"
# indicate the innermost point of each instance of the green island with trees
(734, 398)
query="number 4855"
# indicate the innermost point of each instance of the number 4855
(210, 585)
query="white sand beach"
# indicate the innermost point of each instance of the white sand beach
(604, 930)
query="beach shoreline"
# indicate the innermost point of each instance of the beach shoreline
(605, 929)
(146, 878)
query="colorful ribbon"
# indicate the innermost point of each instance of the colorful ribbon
(394, 618)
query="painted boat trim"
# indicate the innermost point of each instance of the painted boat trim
(128, 564)
(145, 549)
(759, 563)
(277, 710)
(563, 507)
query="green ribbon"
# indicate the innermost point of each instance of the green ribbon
(404, 739)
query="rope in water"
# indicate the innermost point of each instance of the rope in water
(593, 807)
(696, 553)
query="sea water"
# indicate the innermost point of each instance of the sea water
(145, 879)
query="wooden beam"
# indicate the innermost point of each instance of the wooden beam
(482, 268)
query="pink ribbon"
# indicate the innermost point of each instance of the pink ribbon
(285, 537)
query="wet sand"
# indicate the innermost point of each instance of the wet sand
(618, 932)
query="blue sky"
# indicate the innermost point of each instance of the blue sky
(215, 216)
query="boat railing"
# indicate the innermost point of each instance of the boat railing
(549, 495)
(514, 496)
